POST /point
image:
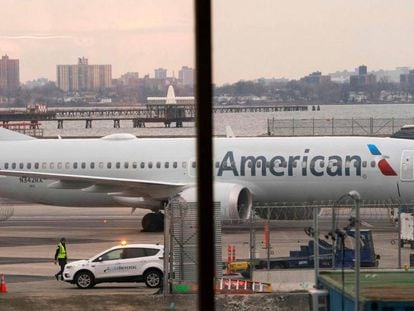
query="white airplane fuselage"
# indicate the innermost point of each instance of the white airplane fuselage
(294, 169)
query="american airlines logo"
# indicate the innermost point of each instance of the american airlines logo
(300, 165)
(383, 164)
(303, 165)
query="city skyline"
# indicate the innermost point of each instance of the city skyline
(175, 73)
(251, 39)
(339, 75)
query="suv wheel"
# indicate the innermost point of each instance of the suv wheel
(85, 279)
(153, 278)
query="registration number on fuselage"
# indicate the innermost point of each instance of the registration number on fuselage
(30, 180)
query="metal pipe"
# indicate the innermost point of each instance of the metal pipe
(334, 242)
(252, 242)
(267, 237)
(316, 244)
(313, 126)
(167, 249)
(357, 200)
(399, 237)
(352, 126)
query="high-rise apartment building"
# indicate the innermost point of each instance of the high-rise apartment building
(9, 74)
(160, 73)
(186, 75)
(362, 70)
(362, 79)
(83, 77)
(407, 80)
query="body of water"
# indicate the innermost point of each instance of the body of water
(243, 124)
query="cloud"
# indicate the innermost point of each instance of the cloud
(35, 37)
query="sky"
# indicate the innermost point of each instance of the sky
(251, 38)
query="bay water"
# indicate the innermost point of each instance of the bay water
(242, 124)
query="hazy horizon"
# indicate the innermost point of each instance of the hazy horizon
(251, 39)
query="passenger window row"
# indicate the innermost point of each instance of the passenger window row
(158, 164)
(93, 165)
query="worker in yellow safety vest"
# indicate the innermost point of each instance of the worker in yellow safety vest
(61, 257)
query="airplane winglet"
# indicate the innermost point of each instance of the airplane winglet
(229, 132)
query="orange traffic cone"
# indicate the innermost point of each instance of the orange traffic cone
(3, 287)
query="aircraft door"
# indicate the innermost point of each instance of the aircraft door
(407, 167)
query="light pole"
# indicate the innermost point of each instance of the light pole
(357, 201)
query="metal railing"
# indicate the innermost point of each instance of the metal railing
(336, 127)
(382, 217)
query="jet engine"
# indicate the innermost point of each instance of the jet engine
(236, 201)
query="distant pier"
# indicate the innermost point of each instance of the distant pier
(27, 128)
(139, 116)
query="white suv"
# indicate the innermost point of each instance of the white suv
(129, 263)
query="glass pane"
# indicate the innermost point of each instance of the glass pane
(102, 69)
(113, 255)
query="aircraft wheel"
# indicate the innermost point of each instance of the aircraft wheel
(160, 221)
(153, 222)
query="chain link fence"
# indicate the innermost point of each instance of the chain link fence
(267, 244)
(181, 246)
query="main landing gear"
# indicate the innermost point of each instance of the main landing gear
(153, 222)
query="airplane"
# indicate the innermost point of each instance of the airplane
(123, 170)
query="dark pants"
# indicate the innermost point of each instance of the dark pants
(62, 264)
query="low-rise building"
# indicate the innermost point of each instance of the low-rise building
(316, 78)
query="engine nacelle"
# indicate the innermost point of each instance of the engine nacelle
(236, 201)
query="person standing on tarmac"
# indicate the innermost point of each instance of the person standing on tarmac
(61, 256)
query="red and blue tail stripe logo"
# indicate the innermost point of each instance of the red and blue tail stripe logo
(383, 164)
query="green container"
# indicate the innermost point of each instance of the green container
(379, 289)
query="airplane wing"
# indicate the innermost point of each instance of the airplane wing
(109, 185)
(8, 135)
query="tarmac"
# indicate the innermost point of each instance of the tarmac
(28, 242)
